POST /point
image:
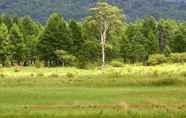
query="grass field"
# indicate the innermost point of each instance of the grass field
(132, 91)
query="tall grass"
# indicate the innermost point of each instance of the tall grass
(130, 91)
(129, 75)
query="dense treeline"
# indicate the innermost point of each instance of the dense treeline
(24, 41)
(77, 9)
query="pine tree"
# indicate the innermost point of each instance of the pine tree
(55, 37)
(4, 43)
(17, 45)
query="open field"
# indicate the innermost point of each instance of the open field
(167, 102)
(132, 91)
(129, 75)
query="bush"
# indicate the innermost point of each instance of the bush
(39, 64)
(157, 59)
(116, 63)
(1, 66)
(40, 75)
(70, 75)
(54, 75)
(116, 74)
(173, 58)
(2, 74)
(65, 57)
(177, 58)
(17, 69)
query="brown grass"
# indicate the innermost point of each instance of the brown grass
(122, 106)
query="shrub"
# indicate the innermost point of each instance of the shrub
(114, 74)
(167, 82)
(183, 74)
(1, 66)
(39, 64)
(177, 58)
(167, 51)
(173, 58)
(32, 74)
(2, 74)
(17, 69)
(40, 75)
(7, 63)
(156, 59)
(54, 75)
(155, 73)
(70, 75)
(116, 63)
(65, 57)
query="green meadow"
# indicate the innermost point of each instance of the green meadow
(131, 91)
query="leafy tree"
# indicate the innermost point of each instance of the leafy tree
(179, 40)
(133, 44)
(31, 32)
(4, 43)
(55, 37)
(106, 18)
(90, 48)
(65, 58)
(76, 36)
(166, 31)
(17, 45)
(149, 30)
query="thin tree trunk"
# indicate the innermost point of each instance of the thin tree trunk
(162, 42)
(103, 53)
(103, 43)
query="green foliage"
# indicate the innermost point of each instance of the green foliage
(177, 58)
(55, 37)
(156, 59)
(106, 18)
(65, 58)
(70, 75)
(4, 43)
(77, 9)
(38, 63)
(24, 41)
(116, 63)
(17, 45)
(134, 44)
(167, 51)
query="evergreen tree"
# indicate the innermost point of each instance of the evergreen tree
(149, 30)
(31, 32)
(76, 37)
(55, 37)
(179, 40)
(4, 43)
(17, 45)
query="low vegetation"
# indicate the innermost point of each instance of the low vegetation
(113, 76)
(128, 91)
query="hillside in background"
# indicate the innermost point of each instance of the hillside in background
(77, 9)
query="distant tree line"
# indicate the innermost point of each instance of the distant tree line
(25, 42)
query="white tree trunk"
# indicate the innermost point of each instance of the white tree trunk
(103, 43)
(103, 51)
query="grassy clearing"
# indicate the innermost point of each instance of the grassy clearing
(92, 102)
(132, 91)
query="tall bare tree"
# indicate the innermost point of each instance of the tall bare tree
(106, 18)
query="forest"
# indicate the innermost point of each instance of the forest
(77, 9)
(59, 42)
